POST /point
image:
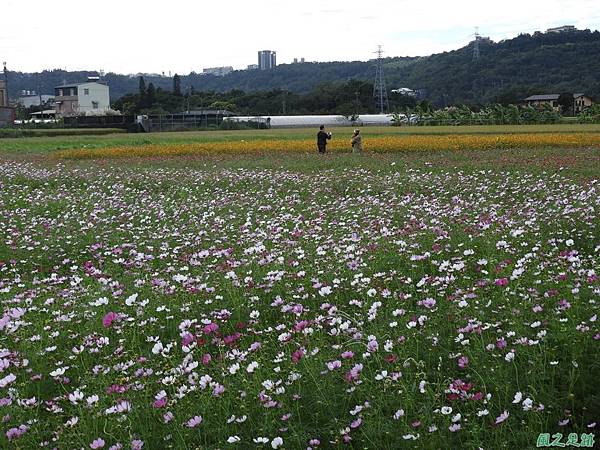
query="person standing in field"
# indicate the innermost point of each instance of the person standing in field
(356, 142)
(322, 138)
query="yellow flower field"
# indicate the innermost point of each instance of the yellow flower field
(374, 144)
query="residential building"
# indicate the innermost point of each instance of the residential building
(267, 59)
(544, 99)
(81, 99)
(31, 98)
(252, 67)
(218, 71)
(581, 101)
(3, 94)
(7, 116)
(563, 29)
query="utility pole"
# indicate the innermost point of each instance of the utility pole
(40, 95)
(6, 83)
(379, 90)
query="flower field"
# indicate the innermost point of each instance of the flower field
(377, 143)
(190, 307)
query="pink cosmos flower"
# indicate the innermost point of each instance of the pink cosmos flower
(210, 328)
(109, 318)
(500, 343)
(356, 423)
(502, 417)
(502, 282)
(97, 443)
(463, 362)
(332, 365)
(347, 355)
(218, 390)
(206, 359)
(137, 444)
(194, 422)
(187, 339)
(232, 338)
(15, 433)
(160, 403)
(297, 355)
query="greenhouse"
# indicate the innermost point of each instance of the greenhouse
(315, 120)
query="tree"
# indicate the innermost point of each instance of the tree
(566, 102)
(177, 85)
(142, 87)
(150, 96)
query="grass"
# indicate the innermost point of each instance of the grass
(431, 299)
(56, 132)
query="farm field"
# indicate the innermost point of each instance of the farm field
(43, 145)
(235, 295)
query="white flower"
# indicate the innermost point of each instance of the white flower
(518, 397)
(58, 372)
(72, 422)
(527, 404)
(129, 301)
(277, 442)
(446, 410)
(325, 290)
(7, 380)
(158, 347)
(233, 439)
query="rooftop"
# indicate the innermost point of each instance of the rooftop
(550, 97)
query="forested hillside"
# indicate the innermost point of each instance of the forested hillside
(506, 72)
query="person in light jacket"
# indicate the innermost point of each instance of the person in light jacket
(356, 142)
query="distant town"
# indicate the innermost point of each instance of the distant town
(91, 96)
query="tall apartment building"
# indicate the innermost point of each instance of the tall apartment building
(267, 59)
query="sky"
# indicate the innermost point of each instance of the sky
(180, 36)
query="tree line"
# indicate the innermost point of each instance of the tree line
(347, 98)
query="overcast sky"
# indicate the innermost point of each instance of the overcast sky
(128, 36)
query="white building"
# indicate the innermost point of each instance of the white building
(218, 71)
(563, 29)
(31, 98)
(405, 91)
(88, 98)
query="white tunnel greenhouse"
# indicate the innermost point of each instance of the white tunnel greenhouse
(315, 121)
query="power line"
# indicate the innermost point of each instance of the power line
(476, 52)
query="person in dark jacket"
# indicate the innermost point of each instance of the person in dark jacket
(322, 138)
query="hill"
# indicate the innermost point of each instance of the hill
(506, 72)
